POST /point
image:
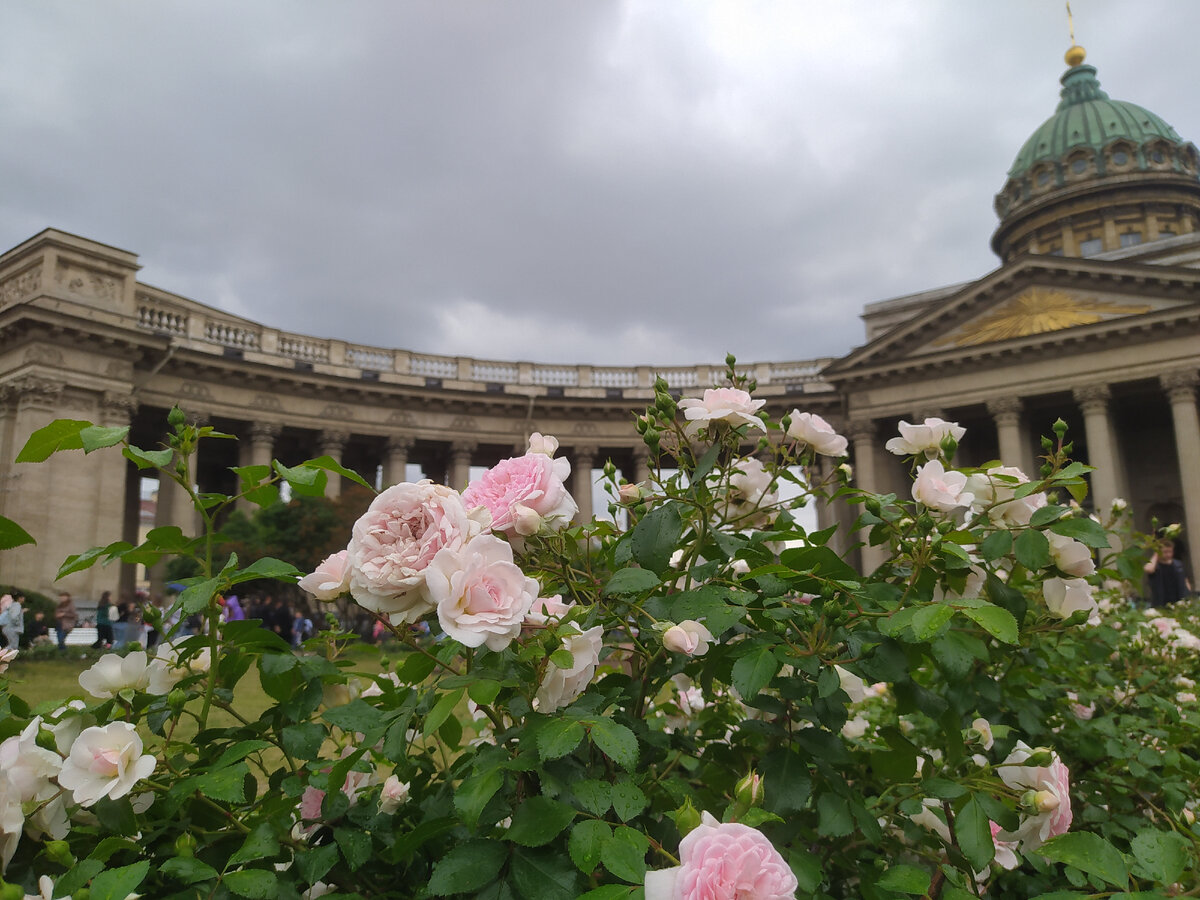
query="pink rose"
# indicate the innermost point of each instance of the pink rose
(545, 608)
(395, 541)
(331, 578)
(724, 861)
(1051, 785)
(523, 493)
(939, 489)
(480, 594)
(688, 637)
(809, 429)
(722, 405)
(925, 438)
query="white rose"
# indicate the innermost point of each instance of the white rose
(939, 489)
(331, 578)
(481, 596)
(113, 673)
(1051, 784)
(393, 796)
(7, 656)
(924, 438)
(1065, 596)
(27, 767)
(12, 822)
(105, 762)
(166, 670)
(545, 608)
(995, 491)
(542, 443)
(561, 686)
(855, 687)
(1070, 555)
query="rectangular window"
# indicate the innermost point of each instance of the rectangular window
(1090, 247)
(1130, 239)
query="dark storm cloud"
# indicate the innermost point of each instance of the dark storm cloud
(593, 182)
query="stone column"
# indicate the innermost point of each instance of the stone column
(459, 471)
(865, 441)
(395, 463)
(333, 443)
(1102, 451)
(1012, 432)
(111, 490)
(1181, 391)
(830, 511)
(583, 460)
(258, 449)
(641, 464)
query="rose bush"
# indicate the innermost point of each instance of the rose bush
(710, 702)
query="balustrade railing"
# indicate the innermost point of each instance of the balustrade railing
(230, 335)
(622, 378)
(306, 349)
(369, 358)
(556, 376)
(153, 316)
(434, 366)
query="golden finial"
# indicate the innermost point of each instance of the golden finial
(1076, 54)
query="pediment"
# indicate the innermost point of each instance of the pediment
(1036, 301)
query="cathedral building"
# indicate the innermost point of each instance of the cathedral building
(1093, 315)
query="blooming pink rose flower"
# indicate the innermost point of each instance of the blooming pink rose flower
(1065, 596)
(722, 405)
(724, 861)
(1006, 851)
(689, 637)
(331, 578)
(481, 596)
(546, 608)
(1051, 785)
(523, 493)
(105, 762)
(393, 796)
(939, 489)
(811, 430)
(924, 438)
(397, 538)
(560, 687)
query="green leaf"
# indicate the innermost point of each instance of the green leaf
(484, 691)
(1083, 529)
(61, 434)
(905, 880)
(538, 821)
(442, 710)
(786, 773)
(594, 796)
(631, 581)
(656, 537)
(467, 867)
(616, 741)
(974, 833)
(562, 658)
(78, 876)
(543, 875)
(996, 545)
(257, 884)
(303, 741)
(1159, 855)
(474, 793)
(148, 459)
(928, 620)
(586, 842)
(96, 437)
(997, 622)
(224, 784)
(834, 818)
(315, 862)
(625, 854)
(355, 716)
(187, 869)
(261, 843)
(196, 597)
(267, 568)
(609, 892)
(558, 737)
(754, 671)
(13, 535)
(85, 560)
(239, 751)
(355, 846)
(329, 464)
(821, 561)
(627, 799)
(117, 884)
(306, 481)
(1032, 550)
(709, 604)
(1089, 853)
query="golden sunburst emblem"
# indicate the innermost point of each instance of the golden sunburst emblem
(1035, 311)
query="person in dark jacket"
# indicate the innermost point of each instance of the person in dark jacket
(104, 629)
(1165, 575)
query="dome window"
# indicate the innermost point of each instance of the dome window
(1158, 156)
(1079, 166)
(1130, 239)
(1043, 178)
(1120, 158)
(1090, 247)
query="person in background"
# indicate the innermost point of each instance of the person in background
(1165, 574)
(121, 627)
(12, 621)
(39, 631)
(65, 618)
(155, 626)
(233, 609)
(301, 628)
(104, 629)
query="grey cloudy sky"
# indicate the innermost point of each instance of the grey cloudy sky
(604, 182)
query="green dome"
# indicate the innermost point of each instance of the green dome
(1086, 117)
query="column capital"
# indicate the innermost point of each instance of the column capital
(37, 391)
(1092, 398)
(1180, 385)
(264, 432)
(585, 451)
(460, 450)
(332, 442)
(400, 443)
(861, 430)
(1006, 410)
(118, 406)
(920, 415)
